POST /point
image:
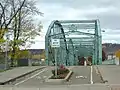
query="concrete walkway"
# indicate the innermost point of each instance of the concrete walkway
(17, 72)
(110, 73)
(62, 87)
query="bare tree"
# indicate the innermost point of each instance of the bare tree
(24, 27)
(7, 15)
(17, 14)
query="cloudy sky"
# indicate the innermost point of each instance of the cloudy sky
(107, 11)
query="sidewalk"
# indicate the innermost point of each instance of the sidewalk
(17, 72)
(110, 73)
(61, 87)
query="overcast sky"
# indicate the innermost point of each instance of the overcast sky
(107, 11)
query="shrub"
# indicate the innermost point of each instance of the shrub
(60, 71)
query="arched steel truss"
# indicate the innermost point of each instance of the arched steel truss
(77, 38)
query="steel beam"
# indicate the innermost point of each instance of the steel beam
(77, 21)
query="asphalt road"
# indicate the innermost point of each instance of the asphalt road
(81, 75)
(110, 73)
(16, 72)
(37, 79)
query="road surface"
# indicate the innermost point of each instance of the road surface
(17, 72)
(81, 75)
(110, 73)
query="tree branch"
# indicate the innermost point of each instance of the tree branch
(1, 15)
(19, 25)
(15, 13)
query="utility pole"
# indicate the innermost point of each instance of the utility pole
(6, 56)
(6, 51)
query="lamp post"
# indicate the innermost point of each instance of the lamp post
(6, 51)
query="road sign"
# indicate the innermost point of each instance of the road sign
(55, 42)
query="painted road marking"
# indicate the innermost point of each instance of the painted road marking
(91, 74)
(84, 77)
(31, 77)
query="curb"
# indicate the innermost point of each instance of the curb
(68, 76)
(99, 73)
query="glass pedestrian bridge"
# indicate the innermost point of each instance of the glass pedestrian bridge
(78, 39)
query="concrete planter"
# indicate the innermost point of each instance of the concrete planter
(59, 80)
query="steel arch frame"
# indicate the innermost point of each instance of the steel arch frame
(56, 30)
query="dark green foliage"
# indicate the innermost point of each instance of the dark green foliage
(60, 71)
(61, 76)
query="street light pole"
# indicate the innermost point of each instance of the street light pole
(6, 53)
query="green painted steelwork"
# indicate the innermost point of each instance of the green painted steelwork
(78, 38)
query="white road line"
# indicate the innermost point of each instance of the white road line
(31, 77)
(91, 75)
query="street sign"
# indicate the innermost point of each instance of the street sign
(55, 42)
